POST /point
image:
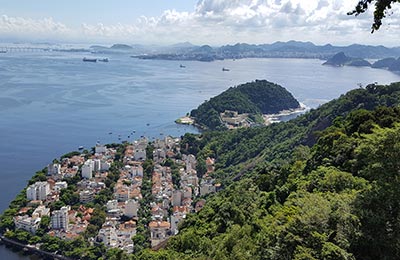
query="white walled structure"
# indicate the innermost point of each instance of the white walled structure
(177, 198)
(38, 191)
(131, 208)
(139, 155)
(87, 169)
(53, 169)
(27, 223)
(105, 166)
(100, 148)
(59, 218)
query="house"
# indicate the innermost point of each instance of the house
(159, 232)
(100, 149)
(86, 196)
(108, 235)
(131, 208)
(60, 185)
(53, 169)
(41, 211)
(27, 223)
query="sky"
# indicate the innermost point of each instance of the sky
(214, 22)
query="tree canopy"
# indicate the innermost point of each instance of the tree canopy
(380, 12)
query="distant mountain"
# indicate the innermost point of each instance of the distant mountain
(296, 49)
(395, 66)
(340, 59)
(182, 45)
(383, 63)
(359, 63)
(119, 46)
(290, 49)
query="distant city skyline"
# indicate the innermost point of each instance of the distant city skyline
(214, 22)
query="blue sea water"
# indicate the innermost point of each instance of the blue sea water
(52, 102)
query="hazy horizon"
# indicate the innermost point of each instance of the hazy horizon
(213, 22)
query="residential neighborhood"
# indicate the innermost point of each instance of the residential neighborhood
(139, 189)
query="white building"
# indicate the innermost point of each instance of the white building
(59, 218)
(136, 170)
(100, 149)
(41, 211)
(190, 162)
(177, 198)
(112, 204)
(175, 220)
(87, 169)
(86, 196)
(131, 208)
(187, 193)
(139, 155)
(108, 235)
(53, 169)
(38, 191)
(60, 185)
(105, 166)
(27, 223)
(96, 165)
(159, 232)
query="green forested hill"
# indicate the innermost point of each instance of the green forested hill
(258, 97)
(322, 186)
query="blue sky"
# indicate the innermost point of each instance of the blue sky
(213, 22)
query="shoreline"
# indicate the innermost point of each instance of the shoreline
(30, 249)
(268, 118)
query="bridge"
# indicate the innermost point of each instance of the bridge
(5, 49)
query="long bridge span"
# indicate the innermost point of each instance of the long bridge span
(5, 49)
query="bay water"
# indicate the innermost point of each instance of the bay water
(52, 102)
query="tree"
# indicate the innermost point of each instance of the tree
(380, 12)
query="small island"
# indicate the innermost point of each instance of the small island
(340, 59)
(254, 103)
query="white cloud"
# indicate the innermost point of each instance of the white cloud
(224, 21)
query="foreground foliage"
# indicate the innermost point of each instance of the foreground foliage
(337, 200)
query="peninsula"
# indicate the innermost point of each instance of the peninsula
(243, 106)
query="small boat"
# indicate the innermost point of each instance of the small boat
(104, 60)
(89, 60)
(182, 66)
(110, 133)
(2, 51)
(147, 124)
(225, 69)
(80, 147)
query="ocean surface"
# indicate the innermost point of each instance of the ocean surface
(52, 102)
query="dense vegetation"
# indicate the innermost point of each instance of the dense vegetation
(322, 186)
(258, 97)
(326, 189)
